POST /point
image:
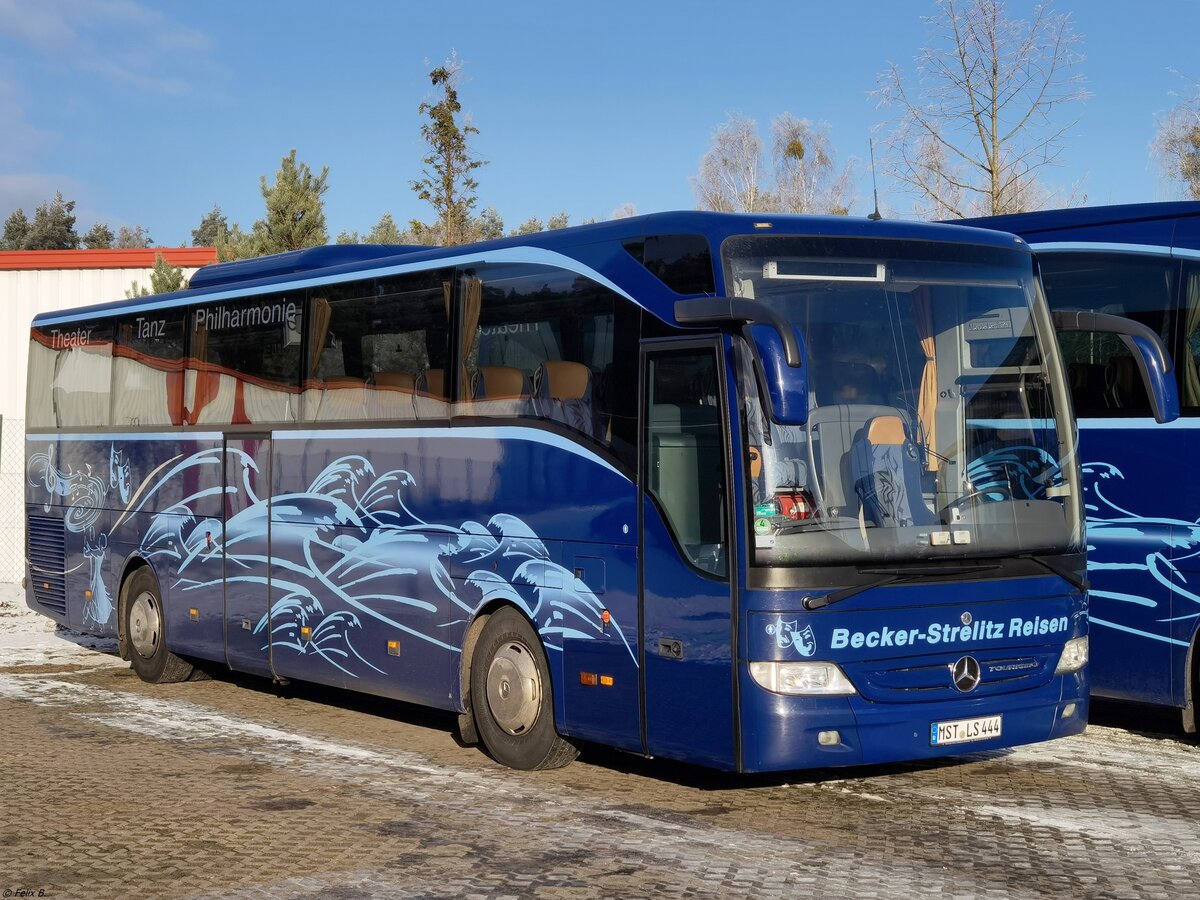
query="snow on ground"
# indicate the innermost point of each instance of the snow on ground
(28, 638)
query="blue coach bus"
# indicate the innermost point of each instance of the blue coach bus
(1142, 262)
(758, 493)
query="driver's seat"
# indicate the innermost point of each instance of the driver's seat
(887, 474)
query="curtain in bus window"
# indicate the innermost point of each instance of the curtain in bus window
(208, 395)
(472, 303)
(471, 289)
(39, 412)
(142, 394)
(148, 370)
(1191, 375)
(927, 397)
(320, 313)
(83, 376)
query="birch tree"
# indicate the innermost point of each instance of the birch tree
(801, 175)
(730, 172)
(807, 179)
(1177, 144)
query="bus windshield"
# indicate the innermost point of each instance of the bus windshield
(936, 423)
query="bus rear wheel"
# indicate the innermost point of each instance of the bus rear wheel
(511, 696)
(146, 632)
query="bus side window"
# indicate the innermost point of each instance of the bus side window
(147, 385)
(80, 373)
(377, 349)
(1101, 372)
(549, 344)
(39, 398)
(1189, 358)
(244, 361)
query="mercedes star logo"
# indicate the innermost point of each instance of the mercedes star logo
(965, 674)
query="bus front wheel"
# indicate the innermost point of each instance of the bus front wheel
(145, 632)
(511, 696)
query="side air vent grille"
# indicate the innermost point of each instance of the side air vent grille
(47, 562)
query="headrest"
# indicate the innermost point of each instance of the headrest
(503, 381)
(564, 380)
(885, 430)
(435, 382)
(401, 380)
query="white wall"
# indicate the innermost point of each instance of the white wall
(23, 294)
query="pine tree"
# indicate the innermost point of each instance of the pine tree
(447, 183)
(532, 225)
(295, 211)
(99, 237)
(53, 226)
(164, 279)
(16, 228)
(213, 230)
(384, 232)
(487, 226)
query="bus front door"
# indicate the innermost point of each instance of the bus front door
(686, 595)
(246, 543)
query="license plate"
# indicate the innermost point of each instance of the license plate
(961, 731)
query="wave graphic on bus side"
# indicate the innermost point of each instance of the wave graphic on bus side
(346, 550)
(1121, 540)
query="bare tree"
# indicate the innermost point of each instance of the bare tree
(1177, 143)
(730, 171)
(985, 117)
(802, 177)
(806, 175)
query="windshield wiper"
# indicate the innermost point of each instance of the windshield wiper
(1061, 571)
(892, 576)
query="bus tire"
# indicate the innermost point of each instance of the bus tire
(511, 696)
(146, 632)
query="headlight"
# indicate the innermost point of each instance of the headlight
(807, 678)
(1074, 656)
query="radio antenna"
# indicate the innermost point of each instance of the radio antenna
(874, 216)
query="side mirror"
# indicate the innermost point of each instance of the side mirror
(777, 349)
(1153, 360)
(787, 388)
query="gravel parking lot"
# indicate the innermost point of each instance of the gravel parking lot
(113, 787)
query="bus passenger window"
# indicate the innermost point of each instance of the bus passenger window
(244, 361)
(75, 364)
(1102, 374)
(148, 369)
(378, 350)
(544, 345)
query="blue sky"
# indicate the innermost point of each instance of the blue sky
(150, 114)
